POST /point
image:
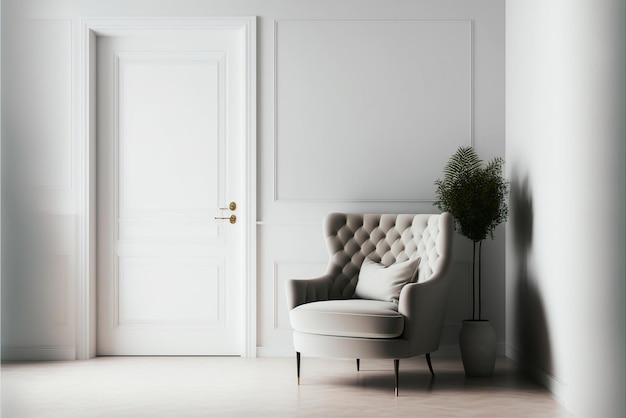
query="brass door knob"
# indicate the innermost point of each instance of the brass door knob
(231, 206)
(232, 219)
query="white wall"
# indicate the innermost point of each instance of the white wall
(565, 149)
(40, 69)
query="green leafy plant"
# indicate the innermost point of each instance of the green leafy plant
(475, 194)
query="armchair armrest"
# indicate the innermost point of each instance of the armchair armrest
(300, 291)
(424, 307)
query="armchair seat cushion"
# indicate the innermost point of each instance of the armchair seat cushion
(360, 318)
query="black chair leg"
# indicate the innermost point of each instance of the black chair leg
(358, 364)
(298, 365)
(396, 367)
(430, 365)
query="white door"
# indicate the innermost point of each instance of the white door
(170, 149)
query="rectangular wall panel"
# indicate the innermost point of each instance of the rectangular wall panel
(170, 291)
(369, 110)
(48, 47)
(169, 114)
(170, 122)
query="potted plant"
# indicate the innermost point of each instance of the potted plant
(475, 194)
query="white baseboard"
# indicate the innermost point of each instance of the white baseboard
(275, 352)
(38, 354)
(556, 386)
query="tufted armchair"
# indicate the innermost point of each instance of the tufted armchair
(330, 315)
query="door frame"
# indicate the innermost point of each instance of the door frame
(85, 163)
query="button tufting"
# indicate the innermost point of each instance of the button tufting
(383, 238)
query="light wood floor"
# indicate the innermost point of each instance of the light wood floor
(177, 387)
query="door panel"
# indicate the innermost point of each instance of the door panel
(169, 152)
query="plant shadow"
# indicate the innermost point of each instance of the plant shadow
(532, 336)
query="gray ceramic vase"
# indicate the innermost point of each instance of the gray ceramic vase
(477, 340)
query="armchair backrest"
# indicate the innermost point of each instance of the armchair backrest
(385, 239)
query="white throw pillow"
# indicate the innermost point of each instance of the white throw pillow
(385, 283)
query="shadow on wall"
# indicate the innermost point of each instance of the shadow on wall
(532, 335)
